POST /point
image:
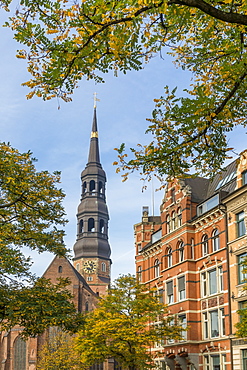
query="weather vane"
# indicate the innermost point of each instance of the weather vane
(95, 99)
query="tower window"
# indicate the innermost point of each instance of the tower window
(60, 269)
(91, 226)
(100, 187)
(84, 187)
(92, 186)
(103, 267)
(102, 226)
(81, 228)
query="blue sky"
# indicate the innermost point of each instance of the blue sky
(59, 139)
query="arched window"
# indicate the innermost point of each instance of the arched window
(169, 257)
(100, 187)
(91, 226)
(92, 186)
(168, 224)
(103, 267)
(215, 240)
(20, 352)
(86, 306)
(60, 269)
(204, 245)
(173, 220)
(179, 217)
(156, 268)
(181, 252)
(102, 226)
(84, 187)
(81, 229)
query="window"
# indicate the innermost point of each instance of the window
(91, 225)
(179, 217)
(182, 322)
(92, 186)
(139, 247)
(171, 323)
(181, 252)
(215, 240)
(181, 288)
(100, 187)
(214, 320)
(244, 357)
(173, 220)
(204, 245)
(102, 226)
(214, 362)
(161, 300)
(60, 269)
(77, 266)
(212, 281)
(81, 228)
(89, 278)
(241, 267)
(169, 257)
(213, 323)
(168, 225)
(156, 268)
(86, 306)
(244, 178)
(20, 354)
(84, 187)
(209, 204)
(169, 290)
(103, 267)
(139, 274)
(240, 224)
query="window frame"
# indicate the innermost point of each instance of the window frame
(204, 243)
(181, 288)
(241, 275)
(215, 240)
(170, 288)
(240, 220)
(156, 268)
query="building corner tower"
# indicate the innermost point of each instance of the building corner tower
(92, 250)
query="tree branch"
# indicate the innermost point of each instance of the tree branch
(212, 11)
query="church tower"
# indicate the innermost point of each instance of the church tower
(92, 250)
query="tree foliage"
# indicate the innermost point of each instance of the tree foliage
(58, 353)
(30, 213)
(126, 324)
(65, 42)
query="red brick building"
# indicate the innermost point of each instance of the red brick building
(187, 254)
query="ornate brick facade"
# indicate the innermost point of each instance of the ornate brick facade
(191, 254)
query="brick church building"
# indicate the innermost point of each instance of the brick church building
(192, 254)
(90, 272)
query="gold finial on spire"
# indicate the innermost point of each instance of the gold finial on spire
(95, 99)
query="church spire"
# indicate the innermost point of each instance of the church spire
(93, 156)
(92, 250)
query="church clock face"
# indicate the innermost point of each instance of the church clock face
(89, 267)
